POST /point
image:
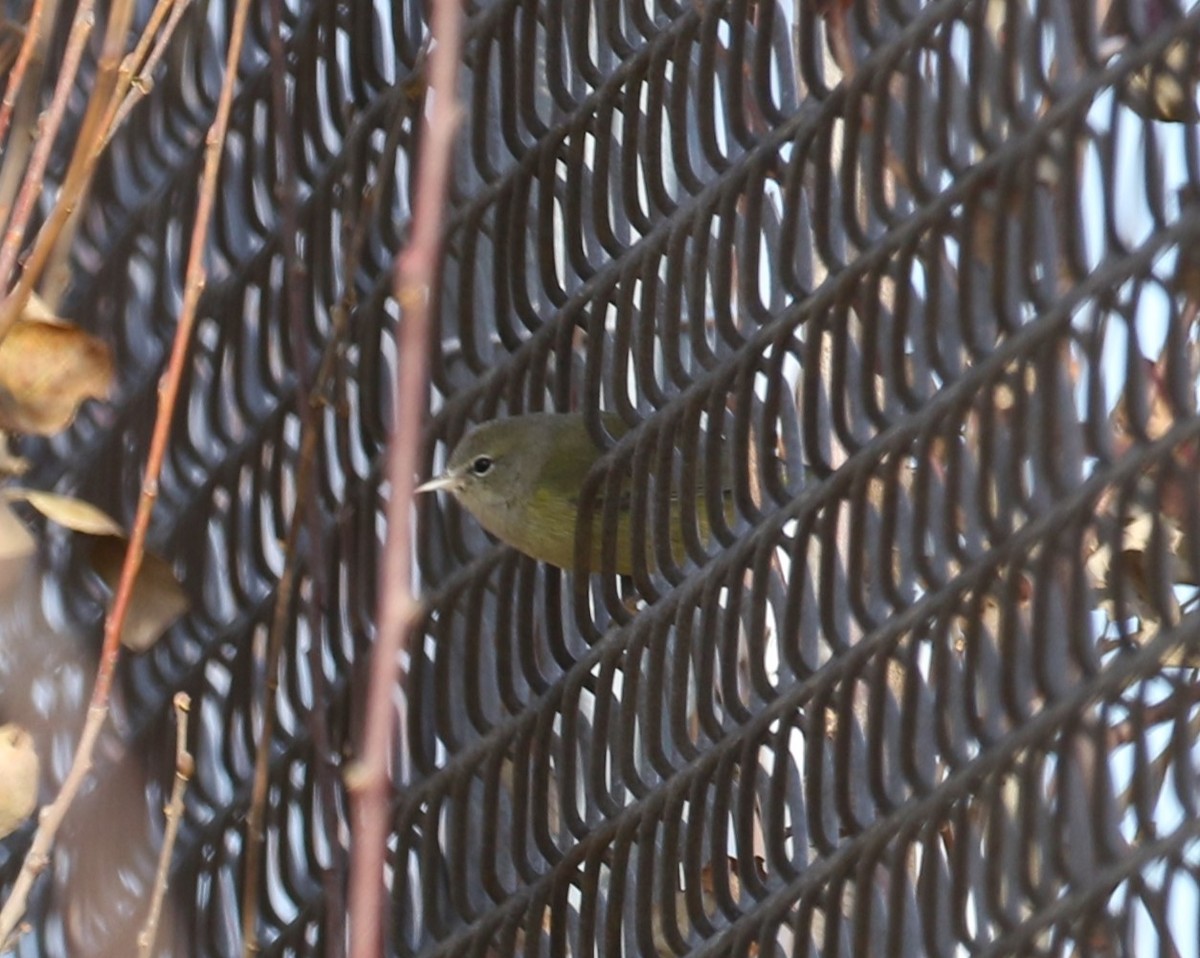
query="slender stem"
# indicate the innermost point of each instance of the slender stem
(184, 767)
(82, 166)
(168, 391)
(52, 269)
(25, 108)
(416, 272)
(305, 512)
(38, 856)
(52, 816)
(141, 82)
(132, 64)
(31, 184)
(17, 74)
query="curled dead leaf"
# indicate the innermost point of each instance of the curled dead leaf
(67, 511)
(47, 368)
(18, 777)
(157, 599)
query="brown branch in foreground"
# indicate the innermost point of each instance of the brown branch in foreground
(53, 815)
(184, 767)
(416, 270)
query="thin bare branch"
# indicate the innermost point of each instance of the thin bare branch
(17, 74)
(31, 185)
(53, 815)
(83, 162)
(38, 856)
(26, 108)
(305, 513)
(184, 767)
(132, 65)
(416, 272)
(131, 85)
(141, 81)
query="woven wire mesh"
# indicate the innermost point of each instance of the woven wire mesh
(923, 273)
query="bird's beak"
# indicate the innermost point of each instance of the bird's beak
(436, 483)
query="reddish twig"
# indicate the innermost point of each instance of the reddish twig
(416, 271)
(169, 387)
(184, 766)
(26, 111)
(141, 76)
(133, 81)
(82, 166)
(53, 815)
(31, 184)
(17, 73)
(132, 65)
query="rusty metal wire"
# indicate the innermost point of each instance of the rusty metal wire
(924, 273)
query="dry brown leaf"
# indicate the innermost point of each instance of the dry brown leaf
(157, 599)
(47, 368)
(18, 777)
(67, 511)
(38, 309)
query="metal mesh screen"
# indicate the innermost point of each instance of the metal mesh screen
(924, 272)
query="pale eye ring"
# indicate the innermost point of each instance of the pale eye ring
(481, 465)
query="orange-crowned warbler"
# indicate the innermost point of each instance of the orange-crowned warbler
(521, 479)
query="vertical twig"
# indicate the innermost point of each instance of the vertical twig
(310, 399)
(184, 766)
(53, 815)
(292, 307)
(416, 271)
(328, 767)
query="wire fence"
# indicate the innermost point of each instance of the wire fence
(925, 274)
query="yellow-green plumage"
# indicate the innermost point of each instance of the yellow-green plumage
(521, 478)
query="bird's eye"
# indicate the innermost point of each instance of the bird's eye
(481, 466)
